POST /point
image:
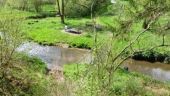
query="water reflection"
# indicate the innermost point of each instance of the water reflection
(55, 56)
(157, 70)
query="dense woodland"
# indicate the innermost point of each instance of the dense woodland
(113, 31)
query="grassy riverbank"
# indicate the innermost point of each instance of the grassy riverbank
(27, 77)
(49, 31)
(31, 77)
(124, 83)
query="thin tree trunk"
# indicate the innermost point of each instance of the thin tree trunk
(58, 4)
(63, 11)
(163, 40)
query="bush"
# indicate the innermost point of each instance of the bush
(19, 4)
(28, 5)
(37, 4)
(27, 78)
(134, 87)
(49, 1)
(2, 2)
(74, 8)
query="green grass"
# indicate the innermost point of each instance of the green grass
(49, 8)
(27, 77)
(8, 13)
(124, 83)
(49, 31)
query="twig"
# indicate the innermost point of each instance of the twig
(159, 46)
(130, 44)
(121, 63)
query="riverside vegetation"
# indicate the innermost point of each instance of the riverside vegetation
(113, 33)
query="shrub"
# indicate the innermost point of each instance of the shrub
(74, 8)
(19, 4)
(2, 2)
(37, 4)
(25, 4)
(134, 87)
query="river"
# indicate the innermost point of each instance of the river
(55, 57)
(157, 70)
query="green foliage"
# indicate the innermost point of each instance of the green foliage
(124, 83)
(10, 39)
(19, 4)
(25, 78)
(8, 13)
(130, 86)
(73, 8)
(81, 8)
(29, 5)
(28, 78)
(49, 31)
(37, 4)
(19, 74)
(74, 71)
(34, 64)
(99, 78)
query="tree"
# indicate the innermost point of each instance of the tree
(61, 10)
(10, 40)
(107, 57)
(82, 8)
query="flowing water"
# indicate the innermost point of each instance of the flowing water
(55, 57)
(157, 70)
